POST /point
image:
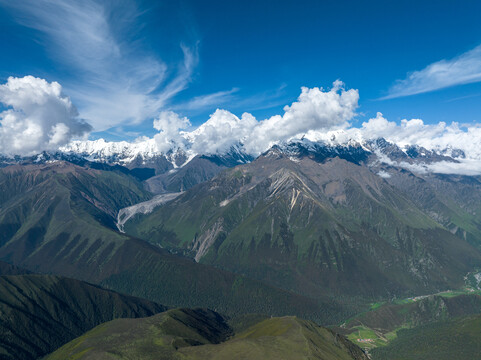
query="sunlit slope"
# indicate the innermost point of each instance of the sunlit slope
(203, 334)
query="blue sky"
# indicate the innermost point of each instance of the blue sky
(122, 62)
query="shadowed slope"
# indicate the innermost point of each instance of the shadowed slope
(42, 312)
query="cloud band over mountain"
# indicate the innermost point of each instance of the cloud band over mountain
(38, 116)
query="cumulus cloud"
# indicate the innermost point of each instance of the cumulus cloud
(315, 109)
(221, 131)
(463, 69)
(169, 124)
(384, 174)
(438, 137)
(38, 117)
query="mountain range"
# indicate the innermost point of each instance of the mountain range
(59, 218)
(321, 221)
(310, 229)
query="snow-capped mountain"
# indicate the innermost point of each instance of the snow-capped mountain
(130, 154)
(144, 154)
(380, 152)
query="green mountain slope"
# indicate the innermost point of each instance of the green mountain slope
(203, 334)
(381, 325)
(330, 227)
(59, 218)
(432, 308)
(39, 313)
(458, 339)
(452, 200)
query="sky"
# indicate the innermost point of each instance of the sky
(124, 69)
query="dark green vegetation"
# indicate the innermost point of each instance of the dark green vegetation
(382, 324)
(432, 308)
(458, 339)
(315, 225)
(8, 269)
(59, 218)
(203, 334)
(39, 313)
(452, 200)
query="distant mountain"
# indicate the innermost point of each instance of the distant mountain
(204, 334)
(41, 312)
(139, 154)
(180, 168)
(318, 220)
(201, 168)
(449, 199)
(176, 170)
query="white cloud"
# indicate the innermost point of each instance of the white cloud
(315, 109)
(463, 69)
(204, 101)
(439, 137)
(221, 131)
(115, 81)
(38, 117)
(436, 137)
(384, 174)
(408, 132)
(169, 124)
(468, 167)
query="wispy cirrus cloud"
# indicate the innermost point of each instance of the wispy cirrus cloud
(114, 81)
(204, 101)
(463, 69)
(234, 100)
